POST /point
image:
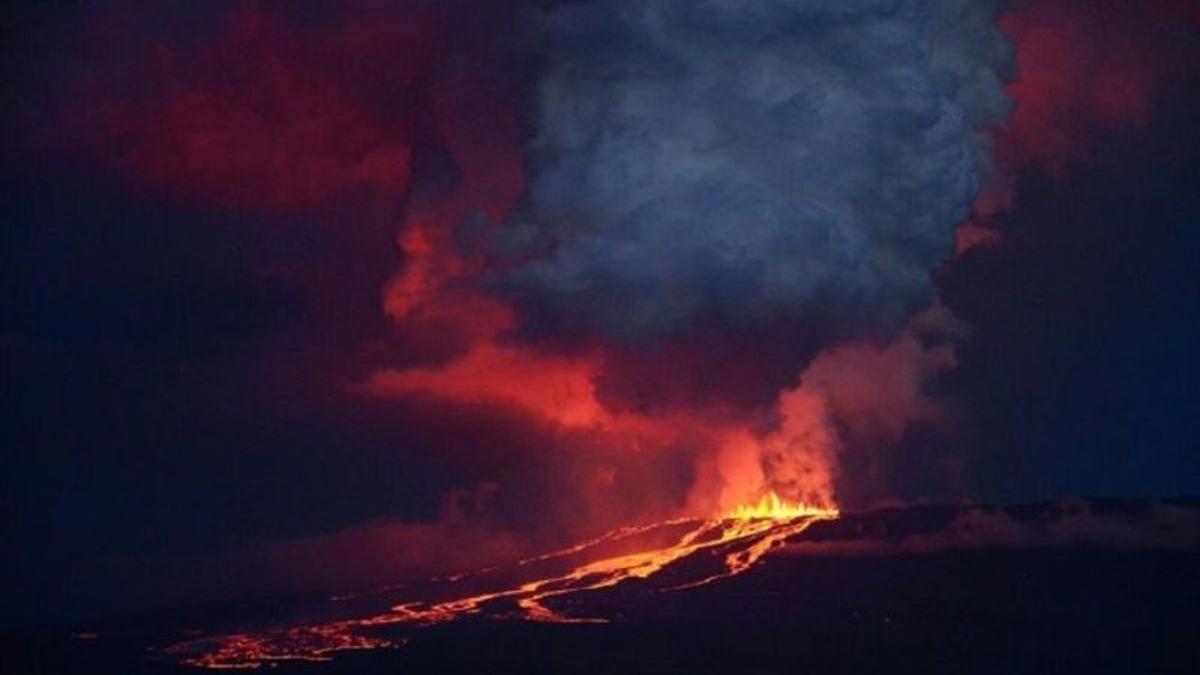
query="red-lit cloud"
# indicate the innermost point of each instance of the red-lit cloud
(1086, 70)
(260, 111)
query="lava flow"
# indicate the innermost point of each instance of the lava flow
(721, 547)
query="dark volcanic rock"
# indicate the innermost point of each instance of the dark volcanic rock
(1098, 586)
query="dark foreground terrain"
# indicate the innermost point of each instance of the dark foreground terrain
(1072, 587)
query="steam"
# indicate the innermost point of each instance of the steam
(852, 407)
(738, 161)
(700, 173)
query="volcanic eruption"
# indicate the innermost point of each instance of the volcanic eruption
(732, 543)
(698, 180)
(399, 326)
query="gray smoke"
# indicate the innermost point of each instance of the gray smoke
(743, 160)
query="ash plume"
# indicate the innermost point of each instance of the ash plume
(733, 162)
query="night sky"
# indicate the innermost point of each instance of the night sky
(307, 299)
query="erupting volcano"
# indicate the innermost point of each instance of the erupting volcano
(798, 332)
(548, 588)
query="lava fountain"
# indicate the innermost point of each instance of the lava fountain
(541, 588)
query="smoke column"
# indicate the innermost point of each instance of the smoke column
(750, 165)
(746, 159)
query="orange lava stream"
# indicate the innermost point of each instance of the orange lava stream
(743, 536)
(302, 643)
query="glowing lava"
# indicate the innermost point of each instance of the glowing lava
(771, 506)
(714, 548)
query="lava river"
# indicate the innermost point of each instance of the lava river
(671, 556)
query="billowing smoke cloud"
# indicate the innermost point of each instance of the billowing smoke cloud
(713, 196)
(737, 161)
(846, 419)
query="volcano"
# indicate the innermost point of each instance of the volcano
(598, 336)
(768, 589)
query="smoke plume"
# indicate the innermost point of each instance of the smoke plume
(790, 170)
(736, 161)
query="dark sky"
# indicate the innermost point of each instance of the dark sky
(208, 218)
(1081, 366)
